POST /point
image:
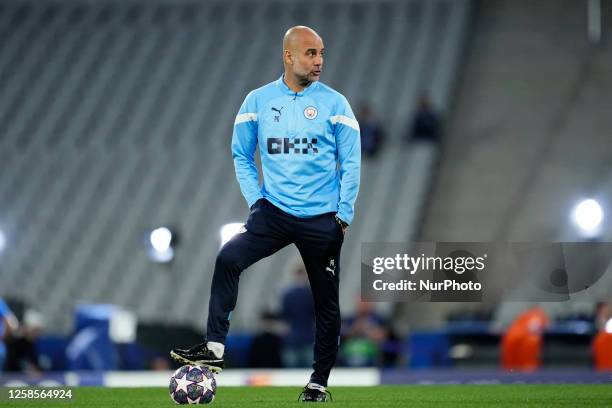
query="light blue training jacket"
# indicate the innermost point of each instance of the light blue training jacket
(309, 145)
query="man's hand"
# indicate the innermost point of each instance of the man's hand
(342, 224)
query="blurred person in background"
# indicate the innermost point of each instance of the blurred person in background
(521, 345)
(266, 348)
(372, 134)
(602, 342)
(8, 325)
(298, 313)
(160, 363)
(310, 152)
(22, 355)
(602, 314)
(363, 337)
(426, 122)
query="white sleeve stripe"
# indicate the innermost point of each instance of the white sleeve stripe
(245, 117)
(345, 120)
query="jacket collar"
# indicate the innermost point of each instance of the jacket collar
(280, 82)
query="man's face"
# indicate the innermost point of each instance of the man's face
(307, 59)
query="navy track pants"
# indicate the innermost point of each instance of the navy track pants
(269, 229)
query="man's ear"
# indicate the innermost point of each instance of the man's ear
(287, 57)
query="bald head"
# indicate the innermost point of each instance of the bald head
(302, 56)
(298, 34)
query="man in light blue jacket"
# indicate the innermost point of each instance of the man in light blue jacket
(310, 151)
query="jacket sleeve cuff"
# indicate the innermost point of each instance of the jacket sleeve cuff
(252, 201)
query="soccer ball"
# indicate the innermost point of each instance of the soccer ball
(193, 385)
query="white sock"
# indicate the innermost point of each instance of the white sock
(315, 386)
(216, 348)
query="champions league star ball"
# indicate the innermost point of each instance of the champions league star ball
(192, 385)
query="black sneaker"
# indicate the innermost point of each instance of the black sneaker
(199, 355)
(314, 393)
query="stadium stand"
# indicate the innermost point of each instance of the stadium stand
(530, 134)
(116, 118)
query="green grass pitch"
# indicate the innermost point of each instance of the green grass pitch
(382, 396)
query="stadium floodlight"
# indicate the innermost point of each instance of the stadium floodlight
(229, 230)
(161, 239)
(2, 241)
(161, 245)
(588, 216)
